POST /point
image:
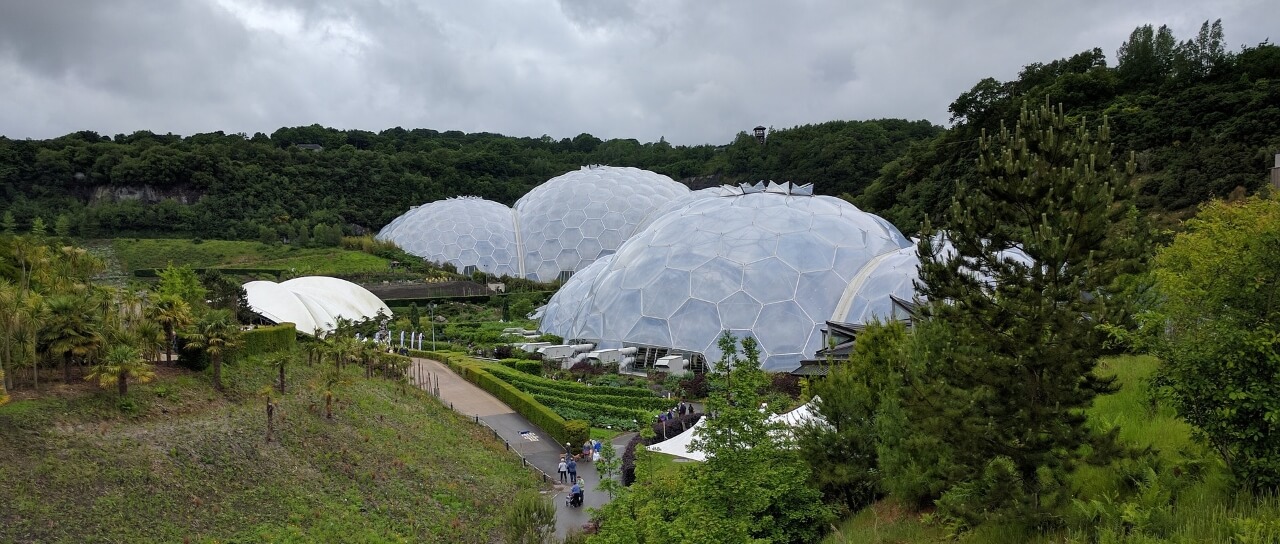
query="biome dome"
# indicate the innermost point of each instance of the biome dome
(571, 220)
(772, 263)
(464, 231)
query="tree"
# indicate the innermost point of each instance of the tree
(172, 313)
(280, 359)
(121, 363)
(183, 283)
(753, 487)
(415, 317)
(71, 330)
(841, 449)
(1217, 330)
(1015, 371)
(62, 226)
(215, 334)
(8, 225)
(38, 228)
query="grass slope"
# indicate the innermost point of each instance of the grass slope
(184, 462)
(136, 253)
(1210, 510)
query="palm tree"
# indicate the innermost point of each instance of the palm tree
(150, 339)
(279, 359)
(72, 329)
(216, 333)
(172, 313)
(122, 362)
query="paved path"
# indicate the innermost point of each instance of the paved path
(532, 443)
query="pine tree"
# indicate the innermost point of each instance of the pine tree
(1011, 378)
(8, 225)
(415, 317)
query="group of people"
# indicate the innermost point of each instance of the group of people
(682, 409)
(568, 468)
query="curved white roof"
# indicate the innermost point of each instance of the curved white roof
(313, 302)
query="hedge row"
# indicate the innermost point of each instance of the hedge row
(651, 403)
(575, 387)
(614, 413)
(269, 339)
(533, 368)
(569, 432)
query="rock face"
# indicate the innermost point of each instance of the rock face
(145, 193)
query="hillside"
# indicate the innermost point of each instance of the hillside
(1200, 122)
(179, 461)
(260, 187)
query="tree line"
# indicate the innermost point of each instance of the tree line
(283, 185)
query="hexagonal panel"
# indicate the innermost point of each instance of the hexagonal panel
(757, 264)
(439, 231)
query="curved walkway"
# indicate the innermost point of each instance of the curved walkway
(532, 443)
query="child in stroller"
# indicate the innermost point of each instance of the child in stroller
(575, 496)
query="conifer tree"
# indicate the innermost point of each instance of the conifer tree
(1010, 381)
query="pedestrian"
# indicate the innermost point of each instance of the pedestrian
(572, 468)
(586, 450)
(564, 470)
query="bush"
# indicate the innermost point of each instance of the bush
(694, 387)
(583, 368)
(576, 431)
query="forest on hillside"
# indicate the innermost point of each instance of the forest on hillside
(1201, 121)
(232, 186)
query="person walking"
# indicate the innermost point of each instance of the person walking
(572, 468)
(564, 470)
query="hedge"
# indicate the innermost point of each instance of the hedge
(575, 387)
(524, 365)
(257, 341)
(652, 403)
(523, 403)
(269, 339)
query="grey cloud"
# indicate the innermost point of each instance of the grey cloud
(694, 72)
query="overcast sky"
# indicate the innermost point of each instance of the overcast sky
(694, 71)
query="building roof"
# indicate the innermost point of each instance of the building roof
(313, 303)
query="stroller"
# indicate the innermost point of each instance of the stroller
(573, 500)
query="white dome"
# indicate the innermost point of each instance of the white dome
(465, 231)
(313, 303)
(766, 264)
(571, 220)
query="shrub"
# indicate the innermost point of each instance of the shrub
(576, 431)
(694, 387)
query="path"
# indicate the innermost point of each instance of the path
(532, 443)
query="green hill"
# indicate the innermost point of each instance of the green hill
(180, 461)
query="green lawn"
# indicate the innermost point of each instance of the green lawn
(136, 253)
(185, 462)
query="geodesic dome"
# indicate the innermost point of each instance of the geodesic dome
(764, 262)
(464, 231)
(571, 220)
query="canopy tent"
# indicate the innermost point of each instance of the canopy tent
(681, 444)
(801, 415)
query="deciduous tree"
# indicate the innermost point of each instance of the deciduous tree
(1218, 332)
